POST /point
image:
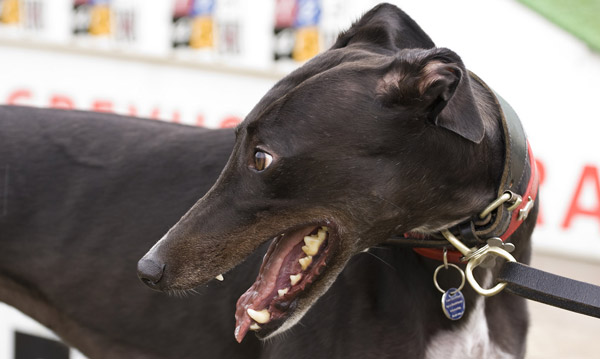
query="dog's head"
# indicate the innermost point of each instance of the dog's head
(366, 140)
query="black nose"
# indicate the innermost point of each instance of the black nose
(150, 272)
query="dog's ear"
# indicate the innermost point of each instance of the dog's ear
(437, 85)
(385, 28)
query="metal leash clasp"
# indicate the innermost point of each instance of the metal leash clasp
(475, 257)
(479, 258)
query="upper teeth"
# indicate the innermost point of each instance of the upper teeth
(305, 262)
(220, 278)
(261, 317)
(313, 242)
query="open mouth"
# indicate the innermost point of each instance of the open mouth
(293, 261)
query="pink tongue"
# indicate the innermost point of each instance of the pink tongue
(264, 288)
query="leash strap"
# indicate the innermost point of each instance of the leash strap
(552, 289)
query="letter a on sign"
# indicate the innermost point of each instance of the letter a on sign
(589, 175)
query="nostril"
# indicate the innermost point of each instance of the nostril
(150, 272)
(149, 282)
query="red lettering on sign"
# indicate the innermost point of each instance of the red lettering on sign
(155, 113)
(176, 117)
(541, 170)
(200, 120)
(102, 106)
(60, 101)
(15, 96)
(589, 175)
(230, 122)
(132, 110)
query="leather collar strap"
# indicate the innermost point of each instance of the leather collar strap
(519, 177)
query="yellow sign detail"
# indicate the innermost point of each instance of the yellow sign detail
(10, 12)
(100, 20)
(306, 44)
(202, 32)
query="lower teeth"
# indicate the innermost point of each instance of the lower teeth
(262, 316)
(311, 248)
(295, 278)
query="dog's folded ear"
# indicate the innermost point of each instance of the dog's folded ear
(436, 84)
(385, 28)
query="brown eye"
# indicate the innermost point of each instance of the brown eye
(262, 160)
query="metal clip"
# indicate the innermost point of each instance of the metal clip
(524, 212)
(445, 258)
(446, 266)
(456, 243)
(476, 257)
(476, 260)
(514, 199)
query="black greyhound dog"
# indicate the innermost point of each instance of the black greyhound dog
(347, 142)
(381, 135)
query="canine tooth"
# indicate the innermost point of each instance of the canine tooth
(305, 262)
(261, 317)
(220, 278)
(282, 292)
(295, 278)
(255, 327)
(322, 233)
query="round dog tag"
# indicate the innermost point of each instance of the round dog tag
(453, 304)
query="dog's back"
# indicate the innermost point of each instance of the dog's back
(83, 195)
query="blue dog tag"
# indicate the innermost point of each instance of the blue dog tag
(453, 304)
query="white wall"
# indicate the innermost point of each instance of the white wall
(12, 320)
(551, 79)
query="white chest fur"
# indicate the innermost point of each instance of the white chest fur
(470, 340)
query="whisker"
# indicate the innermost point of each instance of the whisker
(384, 262)
(180, 293)
(387, 201)
(380, 247)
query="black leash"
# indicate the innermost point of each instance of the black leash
(552, 289)
(530, 283)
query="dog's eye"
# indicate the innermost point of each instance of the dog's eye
(262, 160)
